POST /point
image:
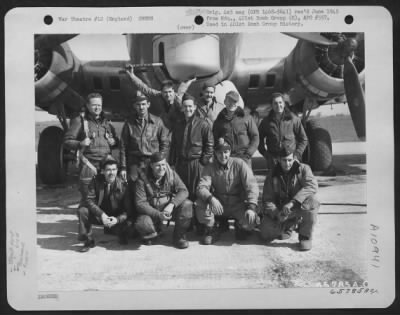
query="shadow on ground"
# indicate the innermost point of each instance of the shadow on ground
(62, 235)
(352, 164)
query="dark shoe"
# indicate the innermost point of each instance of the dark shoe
(211, 235)
(305, 243)
(181, 242)
(90, 243)
(285, 235)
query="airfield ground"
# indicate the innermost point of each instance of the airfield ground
(338, 253)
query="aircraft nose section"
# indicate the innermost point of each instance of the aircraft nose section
(189, 55)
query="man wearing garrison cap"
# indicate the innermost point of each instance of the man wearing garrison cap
(162, 196)
(209, 107)
(142, 135)
(227, 189)
(234, 123)
(289, 201)
(166, 103)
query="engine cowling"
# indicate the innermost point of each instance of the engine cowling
(313, 68)
(55, 71)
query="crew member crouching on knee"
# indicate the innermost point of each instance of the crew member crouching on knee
(227, 188)
(108, 203)
(162, 196)
(289, 201)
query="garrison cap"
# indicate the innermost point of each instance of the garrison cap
(285, 151)
(187, 97)
(223, 144)
(157, 157)
(207, 85)
(139, 96)
(233, 95)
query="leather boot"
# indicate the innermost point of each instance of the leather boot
(305, 243)
(211, 235)
(179, 239)
(89, 243)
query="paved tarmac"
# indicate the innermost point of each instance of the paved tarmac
(338, 254)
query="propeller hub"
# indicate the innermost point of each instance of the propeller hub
(344, 49)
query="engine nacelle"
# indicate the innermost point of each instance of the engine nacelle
(188, 55)
(55, 71)
(310, 68)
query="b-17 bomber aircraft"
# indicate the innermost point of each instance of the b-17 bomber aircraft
(322, 68)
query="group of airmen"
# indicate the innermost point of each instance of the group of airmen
(189, 161)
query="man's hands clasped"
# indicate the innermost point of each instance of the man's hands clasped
(108, 221)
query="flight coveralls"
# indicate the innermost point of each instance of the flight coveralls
(299, 186)
(114, 200)
(98, 131)
(139, 140)
(234, 185)
(151, 197)
(276, 133)
(192, 148)
(241, 129)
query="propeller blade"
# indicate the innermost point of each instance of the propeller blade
(355, 96)
(315, 38)
(51, 41)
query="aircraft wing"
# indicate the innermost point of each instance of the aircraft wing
(62, 80)
(321, 68)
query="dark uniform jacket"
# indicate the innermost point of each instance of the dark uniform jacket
(241, 129)
(287, 131)
(138, 142)
(192, 140)
(118, 204)
(298, 185)
(151, 198)
(99, 130)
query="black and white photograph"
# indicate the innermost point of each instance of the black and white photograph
(222, 160)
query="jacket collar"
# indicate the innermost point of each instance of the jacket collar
(212, 105)
(89, 116)
(277, 171)
(287, 114)
(239, 112)
(115, 186)
(149, 118)
(167, 176)
(171, 107)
